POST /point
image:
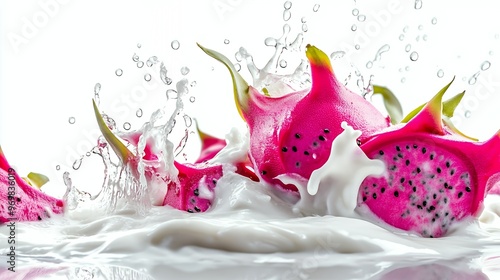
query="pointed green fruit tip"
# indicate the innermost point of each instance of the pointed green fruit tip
(118, 147)
(435, 105)
(450, 105)
(36, 179)
(317, 57)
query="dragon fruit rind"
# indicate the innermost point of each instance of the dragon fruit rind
(293, 134)
(433, 178)
(20, 201)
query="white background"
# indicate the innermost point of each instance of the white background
(53, 53)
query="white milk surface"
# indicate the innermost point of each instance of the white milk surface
(253, 231)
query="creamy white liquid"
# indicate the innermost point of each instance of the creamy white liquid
(253, 231)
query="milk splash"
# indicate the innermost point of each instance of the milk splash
(333, 188)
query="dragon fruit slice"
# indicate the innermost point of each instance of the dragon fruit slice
(191, 190)
(21, 201)
(293, 134)
(433, 178)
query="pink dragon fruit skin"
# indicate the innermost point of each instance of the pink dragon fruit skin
(292, 134)
(183, 191)
(30, 203)
(433, 178)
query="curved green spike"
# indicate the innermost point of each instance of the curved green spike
(450, 105)
(391, 103)
(118, 147)
(240, 86)
(452, 102)
(429, 119)
(37, 180)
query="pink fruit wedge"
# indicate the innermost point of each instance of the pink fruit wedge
(433, 179)
(20, 201)
(293, 134)
(190, 191)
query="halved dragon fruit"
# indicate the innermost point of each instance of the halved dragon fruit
(434, 177)
(191, 190)
(293, 134)
(21, 201)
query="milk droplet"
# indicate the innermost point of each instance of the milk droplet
(239, 57)
(357, 46)
(287, 5)
(163, 73)
(473, 79)
(87, 154)
(77, 163)
(316, 8)
(139, 45)
(171, 94)
(424, 37)
(355, 12)
(175, 44)
(188, 121)
(440, 73)
(467, 113)
(369, 64)
(287, 15)
(192, 99)
(169, 81)
(420, 27)
(119, 72)
(361, 18)
(149, 63)
(283, 63)
(138, 113)
(238, 67)
(408, 48)
(417, 38)
(354, 27)
(135, 57)
(414, 56)
(270, 42)
(127, 126)
(71, 120)
(407, 68)
(147, 77)
(403, 80)
(192, 84)
(140, 64)
(491, 53)
(401, 37)
(184, 71)
(405, 29)
(97, 88)
(485, 65)
(303, 20)
(58, 167)
(337, 55)
(304, 27)
(418, 4)
(434, 20)
(226, 41)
